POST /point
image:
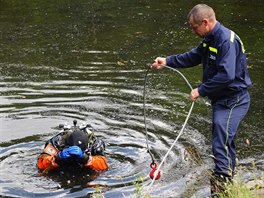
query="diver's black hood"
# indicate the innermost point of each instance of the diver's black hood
(78, 138)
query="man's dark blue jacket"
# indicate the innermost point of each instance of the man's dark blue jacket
(224, 62)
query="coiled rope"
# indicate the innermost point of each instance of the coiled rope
(146, 130)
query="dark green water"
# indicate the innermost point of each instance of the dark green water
(86, 60)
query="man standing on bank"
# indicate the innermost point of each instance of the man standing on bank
(225, 82)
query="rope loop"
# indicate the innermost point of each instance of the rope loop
(155, 168)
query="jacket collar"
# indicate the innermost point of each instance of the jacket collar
(213, 32)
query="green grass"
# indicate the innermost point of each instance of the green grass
(98, 192)
(138, 188)
(239, 189)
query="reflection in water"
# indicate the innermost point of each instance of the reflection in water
(85, 61)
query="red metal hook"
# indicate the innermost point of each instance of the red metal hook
(154, 172)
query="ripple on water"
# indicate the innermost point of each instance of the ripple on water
(110, 99)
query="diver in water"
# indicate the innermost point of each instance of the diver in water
(74, 146)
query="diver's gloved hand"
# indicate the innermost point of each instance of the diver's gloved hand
(72, 151)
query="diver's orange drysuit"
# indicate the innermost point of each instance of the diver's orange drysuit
(92, 149)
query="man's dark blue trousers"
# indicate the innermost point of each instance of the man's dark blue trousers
(227, 115)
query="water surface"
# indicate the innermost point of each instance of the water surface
(86, 60)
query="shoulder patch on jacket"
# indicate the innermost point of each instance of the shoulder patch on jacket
(50, 150)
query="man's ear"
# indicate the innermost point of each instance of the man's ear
(205, 21)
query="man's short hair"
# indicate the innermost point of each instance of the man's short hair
(201, 11)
